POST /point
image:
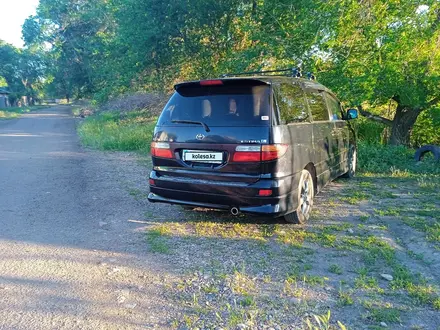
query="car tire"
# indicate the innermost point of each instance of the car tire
(306, 192)
(352, 161)
(435, 150)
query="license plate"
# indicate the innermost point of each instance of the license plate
(202, 156)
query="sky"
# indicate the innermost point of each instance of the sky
(12, 16)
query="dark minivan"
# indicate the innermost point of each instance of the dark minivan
(261, 144)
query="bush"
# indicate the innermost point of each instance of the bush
(153, 103)
(427, 129)
(392, 160)
(111, 131)
(370, 131)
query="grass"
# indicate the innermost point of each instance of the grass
(368, 283)
(384, 314)
(392, 161)
(249, 270)
(114, 131)
(345, 298)
(16, 112)
(157, 242)
(335, 269)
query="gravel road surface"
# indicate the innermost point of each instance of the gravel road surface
(72, 254)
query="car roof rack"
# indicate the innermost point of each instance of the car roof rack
(292, 72)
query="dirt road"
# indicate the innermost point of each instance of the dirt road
(70, 256)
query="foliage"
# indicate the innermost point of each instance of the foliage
(393, 161)
(373, 53)
(111, 131)
(427, 128)
(22, 70)
(381, 51)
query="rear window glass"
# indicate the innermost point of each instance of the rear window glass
(219, 106)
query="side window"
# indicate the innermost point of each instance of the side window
(291, 103)
(334, 106)
(317, 105)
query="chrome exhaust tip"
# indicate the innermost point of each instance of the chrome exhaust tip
(235, 211)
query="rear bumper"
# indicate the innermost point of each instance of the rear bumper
(225, 195)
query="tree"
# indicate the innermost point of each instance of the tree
(22, 70)
(379, 51)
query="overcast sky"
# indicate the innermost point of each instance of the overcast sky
(13, 13)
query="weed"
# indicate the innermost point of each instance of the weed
(157, 242)
(247, 301)
(356, 197)
(241, 283)
(294, 237)
(392, 211)
(345, 298)
(368, 283)
(322, 322)
(384, 314)
(363, 218)
(335, 269)
(108, 131)
(15, 112)
(291, 288)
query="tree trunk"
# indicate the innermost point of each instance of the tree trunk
(402, 125)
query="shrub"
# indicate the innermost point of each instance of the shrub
(392, 160)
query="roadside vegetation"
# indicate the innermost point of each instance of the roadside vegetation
(113, 131)
(15, 112)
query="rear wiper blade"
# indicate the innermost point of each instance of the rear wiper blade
(192, 122)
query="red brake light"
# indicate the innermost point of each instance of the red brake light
(211, 82)
(247, 156)
(151, 182)
(161, 149)
(259, 153)
(265, 192)
(273, 151)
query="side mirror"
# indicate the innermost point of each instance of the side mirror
(352, 114)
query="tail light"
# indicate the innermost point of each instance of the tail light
(273, 151)
(247, 154)
(265, 192)
(259, 153)
(161, 149)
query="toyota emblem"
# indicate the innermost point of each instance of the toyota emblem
(200, 136)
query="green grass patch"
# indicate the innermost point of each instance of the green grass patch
(393, 161)
(416, 287)
(16, 112)
(298, 275)
(335, 269)
(113, 131)
(384, 314)
(157, 242)
(345, 298)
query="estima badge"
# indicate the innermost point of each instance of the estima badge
(200, 136)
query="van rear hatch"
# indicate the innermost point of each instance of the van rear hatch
(214, 130)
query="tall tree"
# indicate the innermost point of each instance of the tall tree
(23, 71)
(381, 51)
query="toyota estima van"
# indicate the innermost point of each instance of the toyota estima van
(257, 144)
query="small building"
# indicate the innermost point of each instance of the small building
(4, 98)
